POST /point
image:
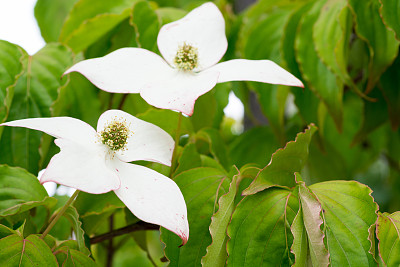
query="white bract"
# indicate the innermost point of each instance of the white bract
(97, 162)
(191, 47)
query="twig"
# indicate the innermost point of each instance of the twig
(124, 230)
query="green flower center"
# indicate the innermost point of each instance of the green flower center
(115, 135)
(186, 57)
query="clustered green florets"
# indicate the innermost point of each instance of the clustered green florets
(115, 135)
(186, 57)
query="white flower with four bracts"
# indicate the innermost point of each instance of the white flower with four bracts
(191, 48)
(97, 162)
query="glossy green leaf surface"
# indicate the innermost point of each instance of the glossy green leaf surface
(31, 251)
(201, 188)
(260, 229)
(308, 245)
(348, 211)
(388, 234)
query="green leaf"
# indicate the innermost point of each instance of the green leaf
(170, 14)
(147, 24)
(308, 244)
(167, 120)
(269, 29)
(10, 69)
(389, 84)
(189, 159)
(388, 233)
(305, 100)
(94, 209)
(284, 163)
(50, 16)
(31, 251)
(72, 215)
(5, 231)
(339, 158)
(21, 191)
(375, 114)
(76, 102)
(383, 46)
(201, 188)
(73, 258)
(331, 35)
(216, 252)
(390, 14)
(216, 146)
(348, 212)
(318, 77)
(88, 21)
(35, 91)
(258, 144)
(259, 230)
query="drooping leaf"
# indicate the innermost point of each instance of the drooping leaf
(72, 215)
(389, 84)
(147, 24)
(318, 77)
(305, 99)
(201, 188)
(383, 46)
(388, 233)
(308, 241)
(10, 69)
(34, 93)
(331, 35)
(50, 16)
(375, 114)
(260, 229)
(268, 30)
(21, 191)
(89, 20)
(284, 163)
(390, 14)
(216, 252)
(348, 212)
(31, 251)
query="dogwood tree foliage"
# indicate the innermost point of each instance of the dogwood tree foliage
(311, 177)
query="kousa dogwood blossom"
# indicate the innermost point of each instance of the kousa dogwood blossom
(97, 162)
(191, 48)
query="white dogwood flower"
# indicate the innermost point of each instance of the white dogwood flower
(191, 47)
(97, 162)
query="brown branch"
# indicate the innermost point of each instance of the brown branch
(121, 104)
(124, 230)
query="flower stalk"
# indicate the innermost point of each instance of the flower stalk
(177, 136)
(59, 214)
